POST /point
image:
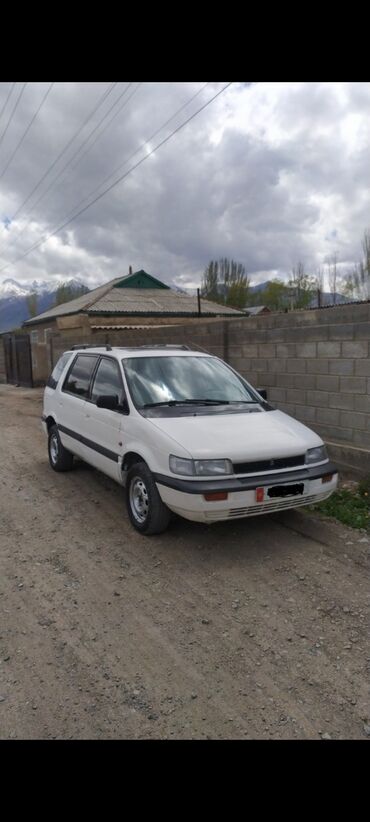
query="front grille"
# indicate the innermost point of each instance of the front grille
(268, 465)
(266, 507)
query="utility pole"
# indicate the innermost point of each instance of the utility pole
(198, 296)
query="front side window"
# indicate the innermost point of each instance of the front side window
(162, 380)
(78, 379)
(58, 370)
(108, 381)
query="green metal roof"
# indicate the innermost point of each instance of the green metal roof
(140, 279)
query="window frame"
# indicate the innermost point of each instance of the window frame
(120, 377)
(64, 390)
(51, 381)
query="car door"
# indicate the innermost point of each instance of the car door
(72, 401)
(103, 427)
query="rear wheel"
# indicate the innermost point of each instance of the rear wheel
(147, 513)
(60, 459)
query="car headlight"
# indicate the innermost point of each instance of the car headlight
(200, 468)
(181, 466)
(213, 467)
(318, 454)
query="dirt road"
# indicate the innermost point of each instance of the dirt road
(253, 629)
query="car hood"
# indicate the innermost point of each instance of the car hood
(245, 436)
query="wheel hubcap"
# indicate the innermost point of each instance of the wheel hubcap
(139, 500)
(54, 448)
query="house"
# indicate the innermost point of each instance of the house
(136, 300)
(126, 301)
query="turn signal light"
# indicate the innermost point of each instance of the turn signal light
(327, 478)
(217, 495)
(260, 494)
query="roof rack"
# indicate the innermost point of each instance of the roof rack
(76, 347)
(163, 347)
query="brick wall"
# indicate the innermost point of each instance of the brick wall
(315, 366)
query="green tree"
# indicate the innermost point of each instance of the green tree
(31, 301)
(225, 281)
(275, 295)
(357, 280)
(210, 283)
(302, 287)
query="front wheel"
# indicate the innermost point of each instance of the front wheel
(60, 459)
(147, 513)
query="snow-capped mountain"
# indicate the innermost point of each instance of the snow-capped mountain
(11, 288)
(13, 298)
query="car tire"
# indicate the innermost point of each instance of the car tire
(147, 513)
(60, 459)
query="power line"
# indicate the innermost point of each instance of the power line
(66, 147)
(108, 124)
(51, 185)
(5, 104)
(20, 208)
(13, 112)
(165, 140)
(26, 131)
(122, 165)
(119, 180)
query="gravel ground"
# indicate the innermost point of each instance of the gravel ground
(253, 629)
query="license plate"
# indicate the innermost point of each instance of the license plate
(292, 490)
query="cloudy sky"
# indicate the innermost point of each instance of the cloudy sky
(269, 174)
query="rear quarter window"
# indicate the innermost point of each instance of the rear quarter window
(58, 370)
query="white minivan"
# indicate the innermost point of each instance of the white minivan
(183, 432)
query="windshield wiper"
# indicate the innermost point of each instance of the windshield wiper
(195, 401)
(245, 402)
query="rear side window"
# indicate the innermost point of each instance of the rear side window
(79, 377)
(58, 370)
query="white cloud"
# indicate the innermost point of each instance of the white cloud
(268, 174)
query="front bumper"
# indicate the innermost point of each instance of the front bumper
(186, 497)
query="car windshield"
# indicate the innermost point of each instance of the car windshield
(175, 380)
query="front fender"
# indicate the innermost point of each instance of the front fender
(152, 456)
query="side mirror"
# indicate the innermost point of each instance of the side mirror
(263, 393)
(107, 401)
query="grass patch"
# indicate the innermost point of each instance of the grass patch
(350, 507)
